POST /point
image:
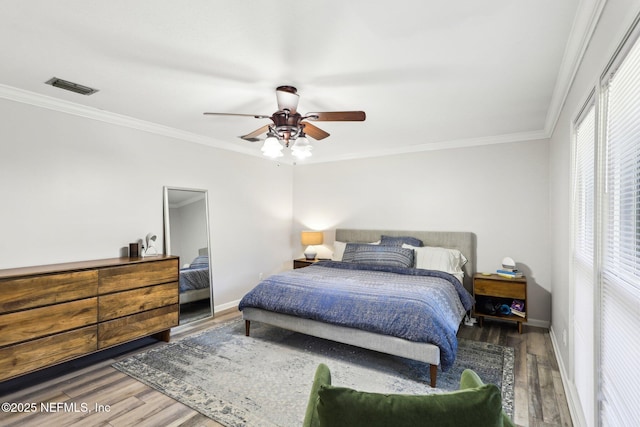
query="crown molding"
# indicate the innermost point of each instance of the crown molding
(440, 145)
(44, 101)
(584, 25)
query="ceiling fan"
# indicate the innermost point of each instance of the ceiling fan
(289, 125)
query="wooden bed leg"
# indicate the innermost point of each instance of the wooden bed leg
(247, 326)
(433, 370)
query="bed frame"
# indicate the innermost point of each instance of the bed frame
(195, 295)
(463, 241)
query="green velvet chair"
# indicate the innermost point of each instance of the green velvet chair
(474, 404)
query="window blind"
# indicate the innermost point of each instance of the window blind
(620, 272)
(583, 260)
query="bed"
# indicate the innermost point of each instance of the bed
(194, 284)
(413, 343)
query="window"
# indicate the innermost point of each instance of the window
(583, 259)
(620, 211)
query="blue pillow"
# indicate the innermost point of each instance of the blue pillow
(362, 253)
(201, 261)
(399, 241)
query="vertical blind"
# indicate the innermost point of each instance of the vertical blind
(583, 261)
(620, 272)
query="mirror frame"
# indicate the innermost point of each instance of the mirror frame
(167, 232)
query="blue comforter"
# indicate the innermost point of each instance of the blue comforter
(414, 304)
(193, 278)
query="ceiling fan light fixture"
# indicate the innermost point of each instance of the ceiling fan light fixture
(302, 143)
(289, 128)
(273, 154)
(302, 148)
(287, 98)
(301, 154)
(272, 147)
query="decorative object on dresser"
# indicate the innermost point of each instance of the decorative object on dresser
(311, 239)
(150, 245)
(134, 250)
(54, 313)
(496, 297)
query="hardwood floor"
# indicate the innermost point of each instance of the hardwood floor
(103, 396)
(539, 394)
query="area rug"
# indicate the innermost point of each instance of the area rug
(264, 380)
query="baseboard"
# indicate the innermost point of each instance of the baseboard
(226, 306)
(538, 323)
(575, 408)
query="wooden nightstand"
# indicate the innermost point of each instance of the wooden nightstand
(499, 290)
(303, 262)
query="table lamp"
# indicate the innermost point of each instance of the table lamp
(310, 239)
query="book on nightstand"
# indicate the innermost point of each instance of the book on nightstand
(518, 313)
(517, 308)
(509, 273)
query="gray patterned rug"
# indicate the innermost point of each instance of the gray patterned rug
(264, 380)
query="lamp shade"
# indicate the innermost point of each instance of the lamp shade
(311, 237)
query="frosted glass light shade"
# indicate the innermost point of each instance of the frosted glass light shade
(301, 149)
(287, 100)
(272, 148)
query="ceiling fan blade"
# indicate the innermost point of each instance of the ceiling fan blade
(257, 116)
(253, 135)
(337, 116)
(314, 131)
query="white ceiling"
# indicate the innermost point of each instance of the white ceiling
(427, 73)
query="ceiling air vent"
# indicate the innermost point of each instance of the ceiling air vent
(73, 87)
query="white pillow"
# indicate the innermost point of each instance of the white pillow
(441, 259)
(338, 249)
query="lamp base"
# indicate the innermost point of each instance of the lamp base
(310, 256)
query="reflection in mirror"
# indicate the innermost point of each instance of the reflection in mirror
(186, 234)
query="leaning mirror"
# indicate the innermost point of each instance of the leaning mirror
(186, 234)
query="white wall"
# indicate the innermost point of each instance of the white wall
(499, 192)
(76, 189)
(614, 22)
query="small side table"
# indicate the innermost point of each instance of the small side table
(499, 290)
(303, 262)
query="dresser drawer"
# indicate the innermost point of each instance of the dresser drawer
(128, 328)
(29, 356)
(37, 291)
(124, 303)
(133, 276)
(501, 289)
(38, 322)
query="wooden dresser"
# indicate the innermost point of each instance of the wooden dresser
(53, 313)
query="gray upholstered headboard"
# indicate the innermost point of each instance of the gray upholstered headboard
(463, 241)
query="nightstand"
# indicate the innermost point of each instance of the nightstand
(303, 262)
(498, 290)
